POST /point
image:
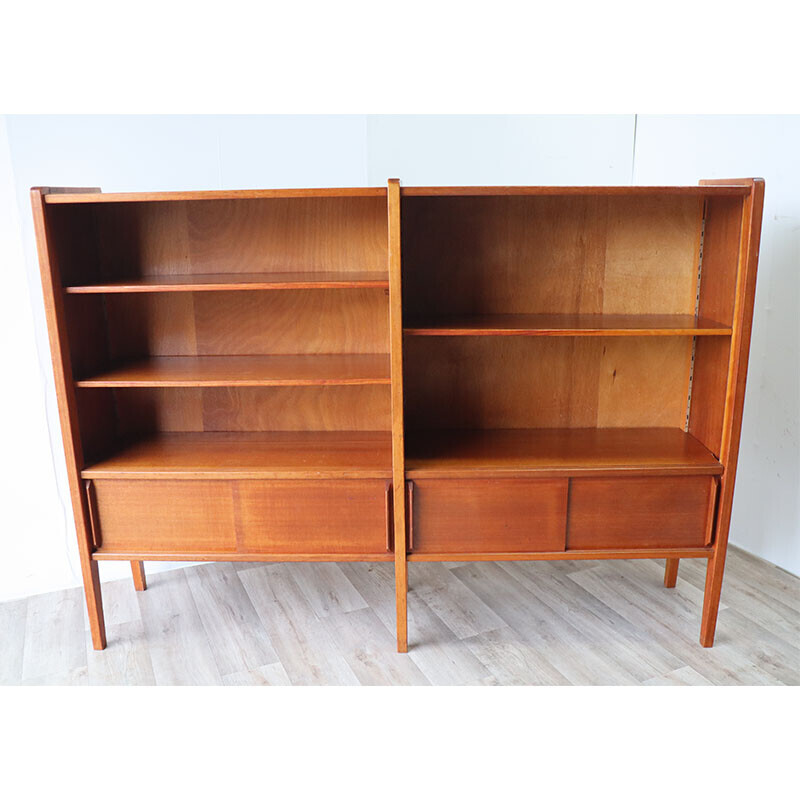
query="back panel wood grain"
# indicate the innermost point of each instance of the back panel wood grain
(557, 255)
(331, 408)
(487, 516)
(609, 513)
(248, 323)
(502, 382)
(346, 234)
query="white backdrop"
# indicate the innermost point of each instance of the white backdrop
(37, 542)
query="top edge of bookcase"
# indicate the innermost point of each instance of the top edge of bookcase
(732, 189)
(239, 194)
(71, 197)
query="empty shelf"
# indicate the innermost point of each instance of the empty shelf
(314, 454)
(567, 325)
(241, 281)
(272, 370)
(557, 452)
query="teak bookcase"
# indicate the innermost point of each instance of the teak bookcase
(401, 374)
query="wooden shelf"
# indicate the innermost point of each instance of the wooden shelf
(317, 454)
(240, 281)
(567, 325)
(557, 452)
(273, 370)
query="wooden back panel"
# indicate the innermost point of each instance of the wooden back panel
(580, 382)
(107, 241)
(292, 408)
(551, 254)
(248, 323)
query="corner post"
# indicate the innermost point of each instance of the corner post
(398, 446)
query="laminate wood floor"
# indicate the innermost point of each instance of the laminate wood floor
(584, 622)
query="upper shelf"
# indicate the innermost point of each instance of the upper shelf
(241, 281)
(567, 325)
(275, 370)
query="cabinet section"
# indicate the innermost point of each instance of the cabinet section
(266, 517)
(487, 516)
(629, 513)
(346, 517)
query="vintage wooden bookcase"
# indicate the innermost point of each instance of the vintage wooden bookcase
(401, 374)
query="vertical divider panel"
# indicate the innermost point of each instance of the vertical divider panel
(398, 443)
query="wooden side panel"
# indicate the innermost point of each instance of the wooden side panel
(52, 242)
(569, 382)
(721, 246)
(750, 240)
(721, 242)
(709, 385)
(489, 516)
(334, 517)
(551, 255)
(242, 235)
(609, 513)
(164, 516)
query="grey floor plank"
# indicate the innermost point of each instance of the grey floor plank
(269, 675)
(126, 659)
(120, 604)
(238, 640)
(303, 644)
(73, 677)
(12, 635)
(179, 647)
(512, 661)
(776, 614)
(370, 650)
(54, 642)
(684, 676)
(719, 664)
(568, 650)
(326, 588)
(375, 583)
(455, 604)
(602, 627)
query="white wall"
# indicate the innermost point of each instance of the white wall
(766, 515)
(159, 153)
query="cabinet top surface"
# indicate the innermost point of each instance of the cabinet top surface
(53, 196)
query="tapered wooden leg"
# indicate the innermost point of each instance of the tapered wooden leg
(139, 580)
(401, 591)
(94, 604)
(716, 568)
(671, 573)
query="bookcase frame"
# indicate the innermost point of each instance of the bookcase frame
(401, 374)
